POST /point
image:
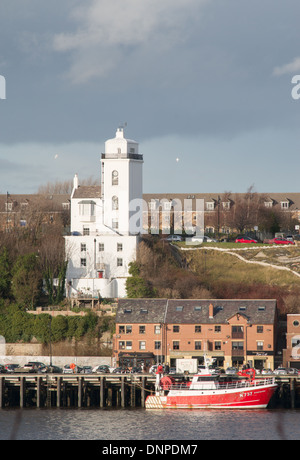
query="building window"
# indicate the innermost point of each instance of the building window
(197, 329)
(176, 345)
(115, 224)
(119, 262)
(218, 345)
(210, 206)
(142, 345)
(128, 345)
(176, 328)
(295, 341)
(121, 329)
(296, 323)
(86, 230)
(217, 328)
(260, 329)
(101, 247)
(128, 329)
(197, 345)
(115, 203)
(284, 204)
(142, 329)
(157, 345)
(115, 178)
(260, 346)
(122, 345)
(119, 247)
(83, 247)
(83, 262)
(226, 204)
(157, 329)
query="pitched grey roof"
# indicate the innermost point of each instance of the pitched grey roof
(156, 309)
(190, 311)
(87, 191)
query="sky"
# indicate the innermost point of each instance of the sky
(207, 87)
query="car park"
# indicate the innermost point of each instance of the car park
(245, 239)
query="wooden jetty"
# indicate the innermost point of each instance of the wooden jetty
(103, 390)
(75, 390)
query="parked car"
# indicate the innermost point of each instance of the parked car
(86, 370)
(289, 237)
(201, 239)
(102, 369)
(121, 370)
(245, 239)
(266, 371)
(172, 370)
(174, 238)
(278, 241)
(72, 369)
(136, 370)
(231, 371)
(2, 369)
(54, 369)
(292, 371)
(281, 371)
(68, 369)
(10, 368)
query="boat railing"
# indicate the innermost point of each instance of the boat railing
(222, 385)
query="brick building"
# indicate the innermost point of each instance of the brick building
(233, 332)
(291, 355)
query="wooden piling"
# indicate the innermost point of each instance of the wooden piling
(79, 391)
(2, 381)
(38, 391)
(102, 391)
(58, 391)
(22, 391)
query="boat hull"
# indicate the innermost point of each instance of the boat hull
(246, 398)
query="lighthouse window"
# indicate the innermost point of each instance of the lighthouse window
(115, 178)
(115, 203)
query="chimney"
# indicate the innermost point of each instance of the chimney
(75, 182)
(211, 311)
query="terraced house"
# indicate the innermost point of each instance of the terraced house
(234, 332)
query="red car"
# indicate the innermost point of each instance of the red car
(245, 239)
(278, 241)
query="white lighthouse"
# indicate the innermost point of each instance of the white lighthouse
(105, 223)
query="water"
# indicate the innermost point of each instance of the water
(139, 424)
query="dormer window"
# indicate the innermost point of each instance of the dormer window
(284, 204)
(226, 204)
(210, 206)
(268, 204)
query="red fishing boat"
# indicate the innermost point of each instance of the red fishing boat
(208, 389)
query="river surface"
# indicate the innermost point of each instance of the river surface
(139, 424)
